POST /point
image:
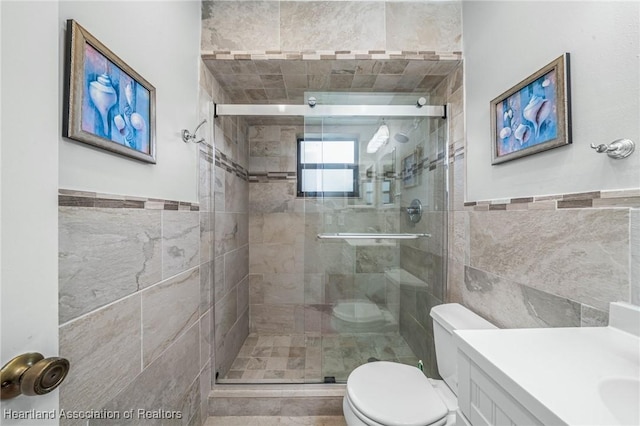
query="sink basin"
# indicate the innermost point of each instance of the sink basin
(621, 395)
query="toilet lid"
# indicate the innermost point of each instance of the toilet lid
(394, 394)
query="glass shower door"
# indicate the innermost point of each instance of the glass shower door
(367, 298)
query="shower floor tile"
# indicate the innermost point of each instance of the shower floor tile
(296, 358)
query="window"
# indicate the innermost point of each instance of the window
(328, 167)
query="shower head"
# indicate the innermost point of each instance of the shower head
(403, 136)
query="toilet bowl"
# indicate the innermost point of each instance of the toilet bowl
(391, 394)
(359, 315)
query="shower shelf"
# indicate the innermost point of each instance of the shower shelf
(360, 236)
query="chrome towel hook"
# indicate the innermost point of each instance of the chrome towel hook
(620, 148)
(186, 136)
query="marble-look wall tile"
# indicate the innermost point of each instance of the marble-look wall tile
(317, 406)
(273, 258)
(104, 255)
(256, 290)
(189, 406)
(227, 228)
(424, 302)
(553, 310)
(219, 184)
(314, 288)
(272, 197)
(165, 383)
(206, 321)
(207, 236)
(592, 317)
(243, 294)
(113, 330)
(370, 286)
(180, 242)
(283, 227)
(634, 276)
(339, 287)
(274, 319)
(579, 254)
(236, 194)
(221, 21)
(223, 406)
(508, 304)
(206, 385)
(282, 288)
(459, 242)
(375, 259)
(424, 26)
(168, 310)
(256, 223)
(426, 267)
(331, 25)
(205, 170)
(228, 348)
(226, 314)
(236, 266)
(218, 278)
(206, 286)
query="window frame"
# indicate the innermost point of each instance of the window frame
(322, 166)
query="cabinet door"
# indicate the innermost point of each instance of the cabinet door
(484, 402)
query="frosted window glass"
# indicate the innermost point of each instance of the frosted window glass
(324, 152)
(311, 152)
(327, 180)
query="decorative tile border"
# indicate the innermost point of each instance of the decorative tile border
(263, 177)
(71, 198)
(625, 198)
(224, 162)
(317, 55)
(206, 152)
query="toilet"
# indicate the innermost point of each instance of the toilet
(391, 394)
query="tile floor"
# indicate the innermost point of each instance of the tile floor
(309, 358)
(272, 421)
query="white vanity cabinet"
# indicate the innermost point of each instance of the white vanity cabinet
(552, 376)
(484, 402)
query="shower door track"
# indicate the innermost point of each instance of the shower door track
(368, 236)
(330, 110)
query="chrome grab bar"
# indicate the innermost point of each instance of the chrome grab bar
(361, 236)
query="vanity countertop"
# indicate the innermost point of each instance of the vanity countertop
(573, 376)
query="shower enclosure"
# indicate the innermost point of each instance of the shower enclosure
(371, 199)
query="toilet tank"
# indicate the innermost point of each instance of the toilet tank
(446, 318)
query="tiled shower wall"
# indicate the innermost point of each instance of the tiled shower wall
(297, 26)
(230, 252)
(276, 232)
(295, 279)
(425, 258)
(135, 306)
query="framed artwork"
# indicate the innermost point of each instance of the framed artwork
(106, 103)
(534, 115)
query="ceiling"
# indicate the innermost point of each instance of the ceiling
(284, 81)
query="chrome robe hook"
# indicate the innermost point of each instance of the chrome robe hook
(186, 136)
(620, 148)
